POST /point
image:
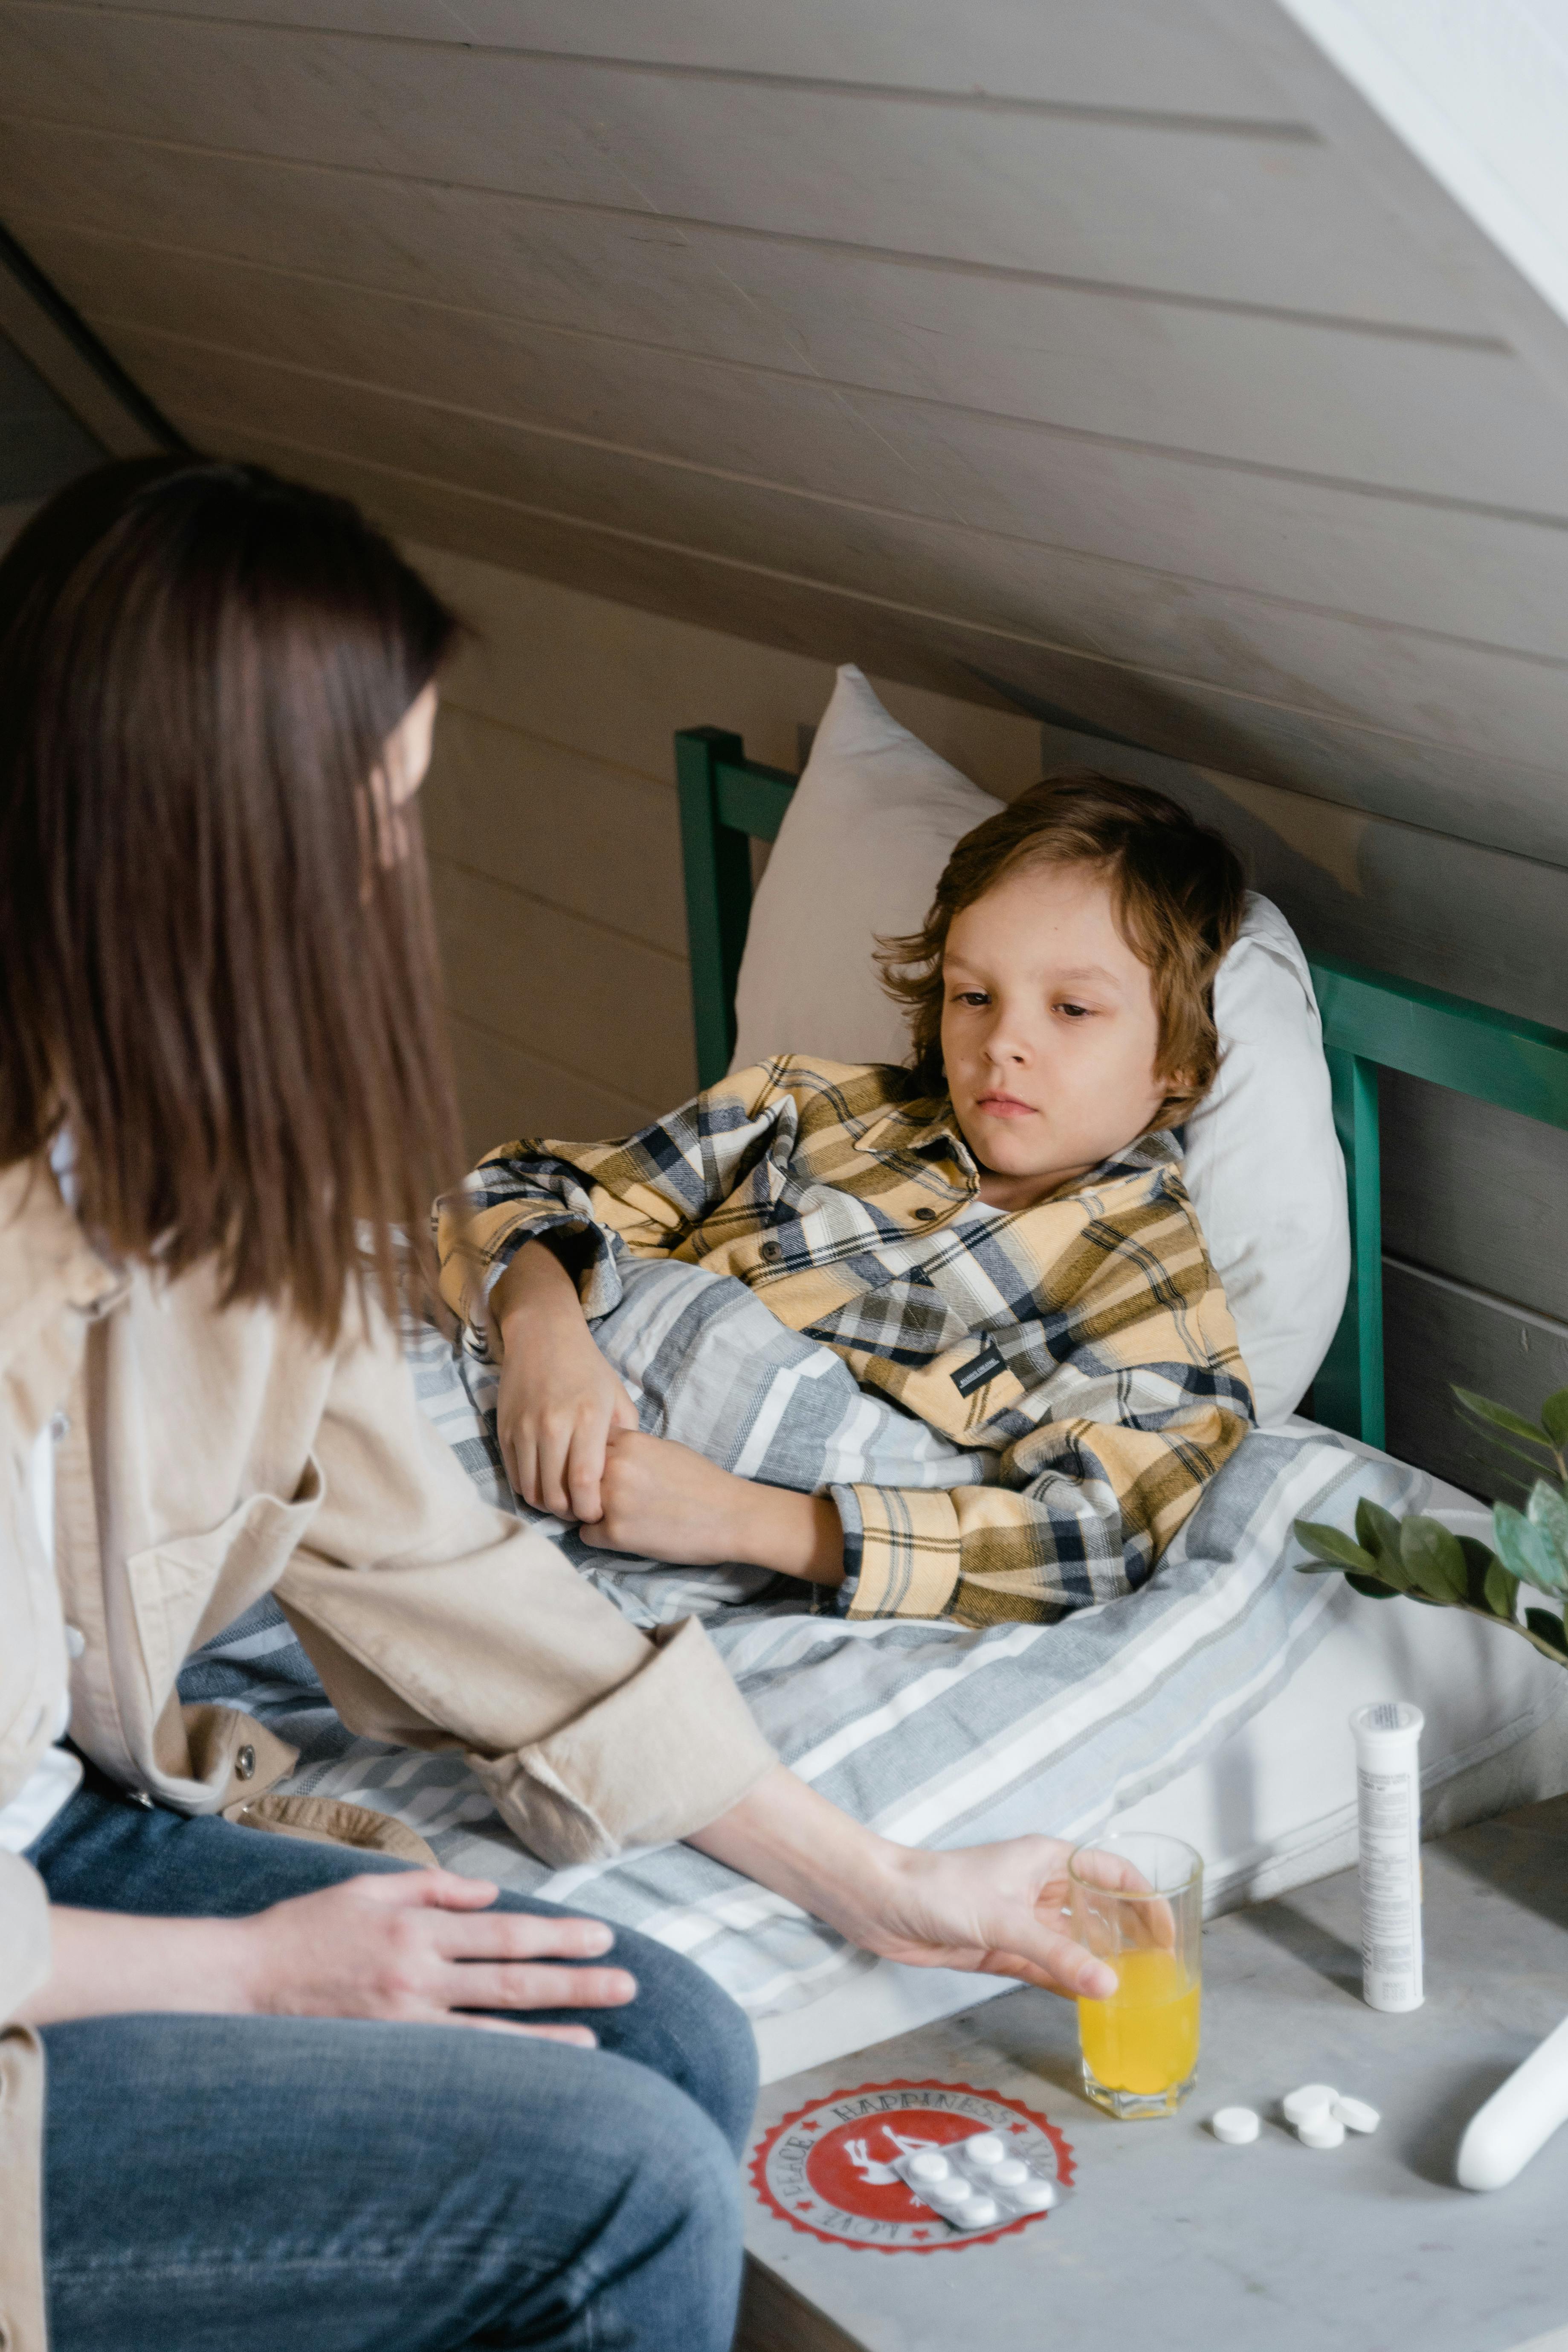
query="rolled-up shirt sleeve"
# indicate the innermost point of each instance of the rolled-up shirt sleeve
(436, 1620)
(24, 1934)
(25, 1962)
(647, 1193)
(1086, 1512)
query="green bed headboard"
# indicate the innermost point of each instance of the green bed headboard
(1371, 1021)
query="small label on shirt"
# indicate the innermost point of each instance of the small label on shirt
(979, 1370)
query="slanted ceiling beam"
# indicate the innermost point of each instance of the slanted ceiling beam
(74, 363)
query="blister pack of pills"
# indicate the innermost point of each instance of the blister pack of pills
(975, 2184)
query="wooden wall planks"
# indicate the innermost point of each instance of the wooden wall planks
(551, 820)
(614, 1008)
(580, 833)
(1454, 699)
(1476, 1192)
(1473, 796)
(1121, 53)
(1437, 1335)
(1409, 563)
(1113, 360)
(1199, 394)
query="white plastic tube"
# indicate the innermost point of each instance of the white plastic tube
(1518, 2119)
(1388, 1793)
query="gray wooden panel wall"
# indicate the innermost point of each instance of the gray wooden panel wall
(1114, 363)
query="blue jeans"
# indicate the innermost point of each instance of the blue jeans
(239, 2183)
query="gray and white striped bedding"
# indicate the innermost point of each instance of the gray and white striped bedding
(933, 1733)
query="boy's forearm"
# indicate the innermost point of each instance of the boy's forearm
(535, 1284)
(796, 1535)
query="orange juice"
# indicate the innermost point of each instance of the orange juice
(1146, 2037)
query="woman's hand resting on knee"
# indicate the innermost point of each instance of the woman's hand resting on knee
(410, 1946)
(559, 1400)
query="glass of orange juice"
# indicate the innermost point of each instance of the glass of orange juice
(1137, 1902)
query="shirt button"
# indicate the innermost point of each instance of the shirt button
(76, 1641)
(770, 1252)
(59, 1426)
(244, 1763)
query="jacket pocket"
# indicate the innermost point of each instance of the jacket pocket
(173, 1583)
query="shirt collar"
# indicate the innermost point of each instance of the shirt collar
(928, 1131)
(924, 1130)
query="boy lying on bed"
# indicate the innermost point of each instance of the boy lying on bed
(997, 1238)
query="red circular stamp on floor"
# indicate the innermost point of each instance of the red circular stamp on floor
(827, 2167)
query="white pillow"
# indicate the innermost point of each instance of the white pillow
(868, 832)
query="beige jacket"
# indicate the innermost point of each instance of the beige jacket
(207, 1457)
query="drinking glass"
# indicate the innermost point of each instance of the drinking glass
(1137, 1902)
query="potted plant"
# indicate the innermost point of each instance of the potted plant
(1427, 1561)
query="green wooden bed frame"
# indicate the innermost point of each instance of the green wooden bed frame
(1371, 1021)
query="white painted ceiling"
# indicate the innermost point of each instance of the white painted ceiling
(1115, 355)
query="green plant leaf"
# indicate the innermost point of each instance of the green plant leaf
(1499, 1592)
(1547, 1510)
(1377, 1531)
(1497, 1416)
(1554, 1417)
(1526, 1552)
(1547, 1628)
(1434, 1560)
(1329, 1545)
(1370, 1586)
(1492, 1589)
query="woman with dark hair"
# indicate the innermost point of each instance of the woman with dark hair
(224, 1110)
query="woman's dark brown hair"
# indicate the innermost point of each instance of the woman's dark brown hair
(1178, 890)
(214, 971)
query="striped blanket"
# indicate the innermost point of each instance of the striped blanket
(933, 1732)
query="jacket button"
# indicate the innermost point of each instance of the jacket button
(924, 1216)
(244, 1763)
(771, 1251)
(59, 1426)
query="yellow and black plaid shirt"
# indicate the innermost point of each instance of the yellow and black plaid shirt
(1086, 1341)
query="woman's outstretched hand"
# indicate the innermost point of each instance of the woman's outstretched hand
(998, 1909)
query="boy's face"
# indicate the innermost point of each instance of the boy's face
(1048, 1032)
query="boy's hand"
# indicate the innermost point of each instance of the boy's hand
(666, 1503)
(559, 1400)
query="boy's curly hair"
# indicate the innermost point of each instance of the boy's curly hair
(1177, 888)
